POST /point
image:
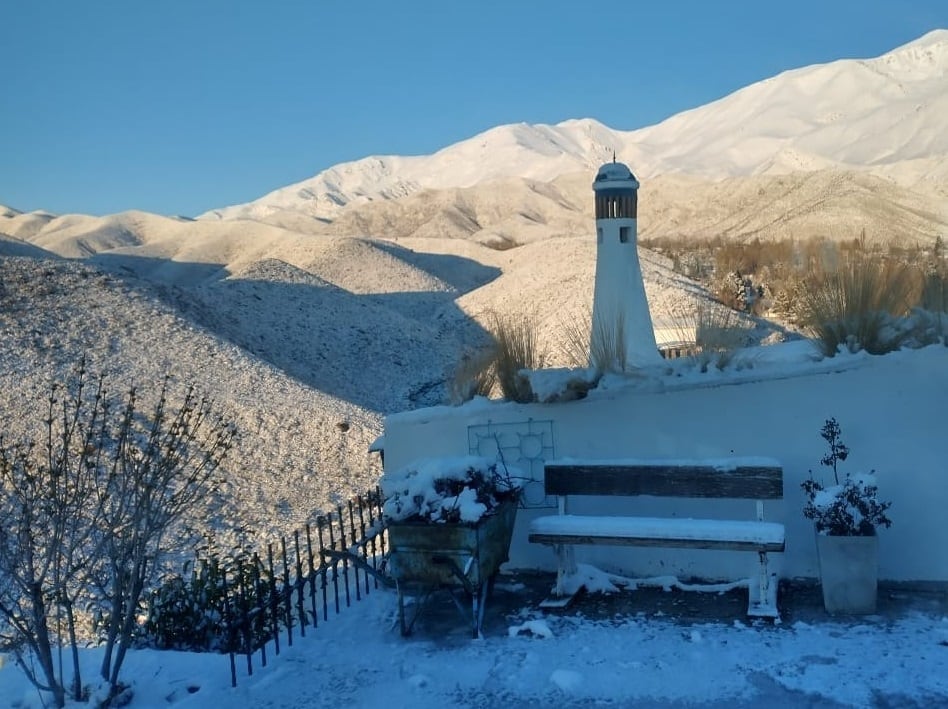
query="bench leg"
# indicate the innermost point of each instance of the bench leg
(566, 566)
(763, 592)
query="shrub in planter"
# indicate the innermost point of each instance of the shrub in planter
(850, 508)
(444, 490)
(846, 516)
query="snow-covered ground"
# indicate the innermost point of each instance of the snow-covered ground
(359, 659)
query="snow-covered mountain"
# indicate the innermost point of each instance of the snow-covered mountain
(884, 115)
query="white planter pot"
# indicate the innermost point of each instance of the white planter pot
(849, 573)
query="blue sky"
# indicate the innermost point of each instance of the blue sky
(180, 106)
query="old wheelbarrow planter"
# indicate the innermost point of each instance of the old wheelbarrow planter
(450, 522)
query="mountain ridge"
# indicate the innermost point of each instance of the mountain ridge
(879, 114)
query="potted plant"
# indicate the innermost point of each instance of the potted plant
(846, 515)
(450, 522)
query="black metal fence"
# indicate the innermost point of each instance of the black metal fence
(320, 569)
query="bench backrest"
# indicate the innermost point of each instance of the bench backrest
(753, 480)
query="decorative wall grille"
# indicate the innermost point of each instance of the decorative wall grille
(524, 445)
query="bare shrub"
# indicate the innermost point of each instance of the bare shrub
(715, 334)
(501, 243)
(933, 304)
(607, 346)
(473, 376)
(516, 347)
(576, 329)
(601, 346)
(853, 304)
(933, 295)
(690, 257)
(733, 256)
(86, 515)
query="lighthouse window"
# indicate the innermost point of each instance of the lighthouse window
(599, 235)
(624, 234)
(616, 206)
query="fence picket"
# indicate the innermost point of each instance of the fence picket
(320, 521)
(335, 562)
(245, 615)
(353, 545)
(261, 610)
(363, 545)
(311, 576)
(230, 622)
(372, 542)
(274, 610)
(299, 584)
(287, 595)
(342, 547)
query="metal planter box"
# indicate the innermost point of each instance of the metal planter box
(432, 554)
(426, 557)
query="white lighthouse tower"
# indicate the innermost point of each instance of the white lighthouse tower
(622, 335)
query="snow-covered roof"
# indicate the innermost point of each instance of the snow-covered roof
(615, 174)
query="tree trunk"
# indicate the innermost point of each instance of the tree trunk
(77, 675)
(115, 618)
(44, 652)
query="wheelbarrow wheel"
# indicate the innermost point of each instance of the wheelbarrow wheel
(479, 603)
(404, 626)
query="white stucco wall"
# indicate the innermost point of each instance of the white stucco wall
(893, 411)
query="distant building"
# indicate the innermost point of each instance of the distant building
(675, 337)
(622, 336)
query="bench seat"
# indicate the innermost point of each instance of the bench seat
(736, 535)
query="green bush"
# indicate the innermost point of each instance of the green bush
(198, 613)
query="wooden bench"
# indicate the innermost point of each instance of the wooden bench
(738, 478)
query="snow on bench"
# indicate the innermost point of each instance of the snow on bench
(663, 531)
(738, 478)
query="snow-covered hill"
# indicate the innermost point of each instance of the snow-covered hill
(299, 449)
(885, 115)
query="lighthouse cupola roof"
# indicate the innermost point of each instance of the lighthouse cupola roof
(615, 175)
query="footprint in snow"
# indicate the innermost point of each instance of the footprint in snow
(567, 680)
